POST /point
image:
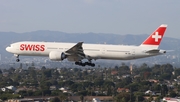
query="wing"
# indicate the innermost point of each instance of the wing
(76, 52)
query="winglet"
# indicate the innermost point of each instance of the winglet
(155, 38)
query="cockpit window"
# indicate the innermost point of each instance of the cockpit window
(11, 45)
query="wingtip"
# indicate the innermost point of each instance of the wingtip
(163, 25)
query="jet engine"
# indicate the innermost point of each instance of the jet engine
(57, 56)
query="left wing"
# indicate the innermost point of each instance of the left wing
(76, 53)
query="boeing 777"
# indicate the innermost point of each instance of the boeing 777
(76, 52)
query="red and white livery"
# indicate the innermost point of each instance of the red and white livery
(76, 52)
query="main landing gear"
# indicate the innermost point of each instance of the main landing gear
(17, 56)
(84, 64)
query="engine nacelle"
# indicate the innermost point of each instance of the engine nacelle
(57, 56)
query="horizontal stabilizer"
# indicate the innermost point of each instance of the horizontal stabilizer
(153, 51)
(156, 51)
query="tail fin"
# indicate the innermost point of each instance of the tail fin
(155, 38)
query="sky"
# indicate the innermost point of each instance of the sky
(84, 16)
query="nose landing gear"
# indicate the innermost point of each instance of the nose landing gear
(17, 56)
(17, 60)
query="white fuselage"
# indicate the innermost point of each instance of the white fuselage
(96, 51)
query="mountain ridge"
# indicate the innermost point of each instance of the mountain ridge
(7, 38)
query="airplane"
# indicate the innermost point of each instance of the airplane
(76, 52)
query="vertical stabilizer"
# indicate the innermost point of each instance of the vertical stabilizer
(155, 38)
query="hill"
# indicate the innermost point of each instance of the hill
(56, 36)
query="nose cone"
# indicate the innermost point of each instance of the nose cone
(8, 49)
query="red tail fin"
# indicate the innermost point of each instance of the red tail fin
(155, 38)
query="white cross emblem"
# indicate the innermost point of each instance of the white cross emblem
(156, 36)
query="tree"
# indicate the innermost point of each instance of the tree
(82, 98)
(146, 75)
(62, 97)
(5, 96)
(172, 94)
(56, 99)
(167, 68)
(133, 86)
(32, 73)
(43, 68)
(0, 71)
(68, 83)
(87, 84)
(166, 76)
(108, 83)
(83, 93)
(47, 73)
(150, 99)
(123, 96)
(139, 96)
(177, 71)
(98, 82)
(124, 70)
(164, 90)
(11, 70)
(20, 66)
(156, 88)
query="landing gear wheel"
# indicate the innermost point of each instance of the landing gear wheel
(17, 60)
(84, 64)
(92, 64)
(17, 56)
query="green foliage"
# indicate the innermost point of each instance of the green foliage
(145, 83)
(0, 72)
(23, 93)
(85, 82)
(5, 96)
(55, 92)
(166, 76)
(76, 87)
(122, 97)
(124, 70)
(164, 90)
(46, 92)
(150, 99)
(108, 83)
(83, 92)
(156, 87)
(56, 99)
(172, 94)
(98, 82)
(167, 68)
(82, 98)
(125, 82)
(133, 86)
(38, 93)
(177, 71)
(63, 97)
(47, 73)
(68, 83)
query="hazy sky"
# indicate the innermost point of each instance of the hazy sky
(98, 16)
